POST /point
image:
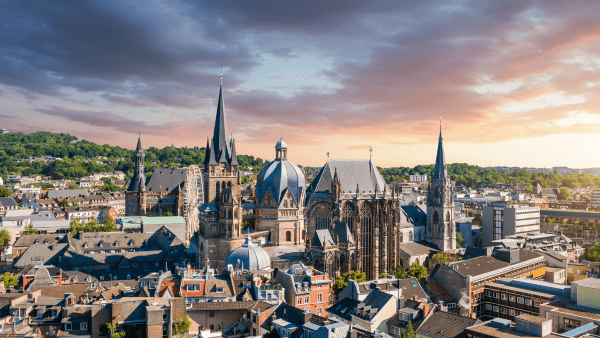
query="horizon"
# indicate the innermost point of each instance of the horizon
(512, 83)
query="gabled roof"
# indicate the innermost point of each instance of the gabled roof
(166, 179)
(322, 239)
(342, 232)
(350, 173)
(445, 325)
(415, 215)
(417, 248)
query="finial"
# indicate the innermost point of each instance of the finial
(327, 155)
(221, 73)
(370, 153)
(440, 124)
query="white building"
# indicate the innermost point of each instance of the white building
(418, 178)
(502, 219)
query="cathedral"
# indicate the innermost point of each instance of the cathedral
(220, 230)
(356, 222)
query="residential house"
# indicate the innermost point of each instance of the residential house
(305, 288)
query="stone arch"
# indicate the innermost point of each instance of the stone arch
(223, 186)
(285, 204)
(330, 265)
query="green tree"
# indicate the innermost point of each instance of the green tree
(74, 187)
(460, 242)
(382, 275)
(5, 192)
(551, 221)
(64, 203)
(4, 239)
(29, 230)
(75, 226)
(168, 213)
(182, 326)
(416, 270)
(109, 225)
(564, 221)
(342, 281)
(593, 254)
(564, 194)
(115, 330)
(471, 213)
(399, 272)
(440, 258)
(9, 279)
(408, 332)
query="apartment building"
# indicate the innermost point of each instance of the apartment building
(502, 219)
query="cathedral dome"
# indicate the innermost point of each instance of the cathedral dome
(279, 177)
(248, 257)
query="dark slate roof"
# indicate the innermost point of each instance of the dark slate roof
(342, 232)
(410, 287)
(279, 177)
(445, 325)
(414, 214)
(49, 253)
(67, 193)
(322, 238)
(377, 299)
(221, 144)
(350, 173)
(287, 312)
(344, 308)
(440, 171)
(166, 179)
(8, 202)
(234, 160)
(27, 240)
(139, 144)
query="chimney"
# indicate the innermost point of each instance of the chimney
(425, 309)
(441, 304)
(416, 298)
(306, 316)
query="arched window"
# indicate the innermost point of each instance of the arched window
(343, 263)
(448, 217)
(410, 236)
(217, 191)
(436, 217)
(322, 218)
(437, 193)
(223, 186)
(366, 222)
(303, 235)
(288, 236)
(229, 184)
(285, 205)
(347, 215)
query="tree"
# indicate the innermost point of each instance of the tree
(564, 194)
(168, 213)
(74, 187)
(408, 332)
(182, 326)
(440, 258)
(109, 225)
(416, 270)
(64, 203)
(4, 239)
(471, 213)
(382, 275)
(115, 330)
(342, 281)
(75, 226)
(399, 272)
(9, 279)
(460, 242)
(593, 254)
(30, 230)
(5, 192)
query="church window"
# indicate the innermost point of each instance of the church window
(401, 238)
(437, 193)
(288, 236)
(347, 215)
(322, 218)
(217, 191)
(448, 217)
(366, 219)
(223, 186)
(285, 204)
(229, 184)
(410, 236)
(343, 263)
(303, 235)
(436, 217)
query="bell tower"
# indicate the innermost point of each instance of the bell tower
(441, 230)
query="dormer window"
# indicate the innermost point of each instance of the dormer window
(128, 276)
(101, 277)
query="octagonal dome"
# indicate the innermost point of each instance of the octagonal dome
(248, 257)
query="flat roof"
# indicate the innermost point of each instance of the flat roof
(588, 282)
(533, 319)
(522, 290)
(574, 309)
(510, 332)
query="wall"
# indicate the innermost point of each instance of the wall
(589, 297)
(220, 318)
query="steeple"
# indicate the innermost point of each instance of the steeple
(234, 160)
(138, 181)
(221, 144)
(206, 152)
(211, 156)
(139, 144)
(440, 171)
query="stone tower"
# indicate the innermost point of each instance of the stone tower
(441, 230)
(135, 201)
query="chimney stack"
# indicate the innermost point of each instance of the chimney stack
(416, 298)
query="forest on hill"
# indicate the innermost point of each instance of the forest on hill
(76, 155)
(82, 158)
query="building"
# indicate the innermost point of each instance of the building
(466, 280)
(248, 257)
(418, 178)
(576, 271)
(305, 288)
(595, 202)
(442, 324)
(440, 229)
(168, 191)
(372, 313)
(280, 200)
(408, 288)
(220, 229)
(501, 220)
(524, 326)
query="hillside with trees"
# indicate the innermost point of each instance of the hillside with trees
(81, 158)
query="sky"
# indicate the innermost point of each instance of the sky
(515, 83)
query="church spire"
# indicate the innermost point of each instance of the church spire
(221, 144)
(440, 171)
(138, 181)
(206, 151)
(211, 153)
(139, 144)
(234, 160)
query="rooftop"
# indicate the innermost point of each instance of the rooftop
(510, 332)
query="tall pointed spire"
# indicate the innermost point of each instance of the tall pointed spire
(221, 144)
(211, 156)
(139, 144)
(206, 152)
(440, 170)
(234, 160)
